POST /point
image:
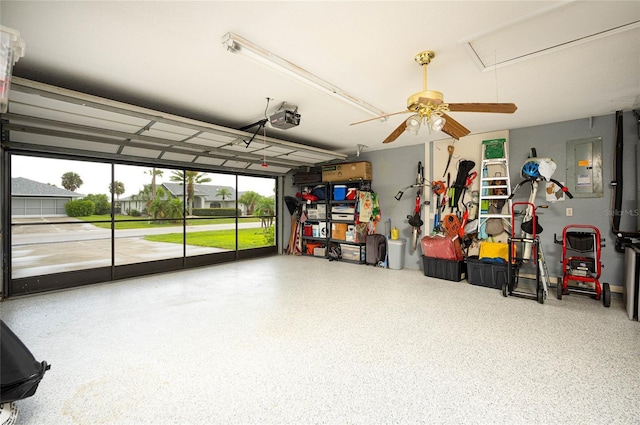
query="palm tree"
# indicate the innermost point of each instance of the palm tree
(71, 181)
(265, 206)
(154, 172)
(116, 188)
(145, 195)
(173, 208)
(192, 178)
(156, 205)
(249, 200)
(223, 193)
(266, 209)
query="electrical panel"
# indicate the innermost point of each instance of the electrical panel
(584, 167)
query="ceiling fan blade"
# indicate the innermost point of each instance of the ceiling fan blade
(381, 116)
(453, 128)
(396, 133)
(498, 108)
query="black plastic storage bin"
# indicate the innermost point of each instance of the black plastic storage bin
(488, 274)
(443, 269)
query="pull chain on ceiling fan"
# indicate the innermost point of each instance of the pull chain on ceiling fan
(428, 108)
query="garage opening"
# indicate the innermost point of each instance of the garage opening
(75, 221)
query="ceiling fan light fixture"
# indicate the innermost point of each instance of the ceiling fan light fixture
(427, 107)
(413, 124)
(437, 122)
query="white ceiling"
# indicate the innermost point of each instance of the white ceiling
(169, 56)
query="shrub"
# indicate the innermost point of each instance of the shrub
(102, 205)
(269, 235)
(166, 208)
(134, 213)
(79, 208)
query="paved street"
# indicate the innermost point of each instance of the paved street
(44, 249)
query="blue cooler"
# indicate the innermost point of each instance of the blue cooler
(339, 192)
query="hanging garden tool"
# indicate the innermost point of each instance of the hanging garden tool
(449, 197)
(445, 198)
(465, 218)
(415, 219)
(459, 185)
(450, 149)
(467, 184)
(438, 188)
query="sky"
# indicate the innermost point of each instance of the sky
(97, 176)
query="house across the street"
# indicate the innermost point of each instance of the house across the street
(205, 196)
(30, 198)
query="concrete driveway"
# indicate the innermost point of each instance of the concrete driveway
(53, 248)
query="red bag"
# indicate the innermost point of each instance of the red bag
(307, 196)
(443, 247)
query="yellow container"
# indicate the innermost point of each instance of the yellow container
(394, 233)
(494, 250)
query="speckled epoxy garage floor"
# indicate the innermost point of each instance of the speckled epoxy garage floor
(302, 340)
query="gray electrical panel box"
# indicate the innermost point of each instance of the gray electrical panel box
(584, 167)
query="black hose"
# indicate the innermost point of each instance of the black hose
(564, 189)
(622, 238)
(618, 157)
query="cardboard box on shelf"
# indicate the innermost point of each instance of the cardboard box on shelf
(307, 177)
(339, 231)
(322, 227)
(350, 171)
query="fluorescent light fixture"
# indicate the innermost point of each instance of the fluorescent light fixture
(236, 44)
(12, 48)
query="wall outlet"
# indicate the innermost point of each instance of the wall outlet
(569, 212)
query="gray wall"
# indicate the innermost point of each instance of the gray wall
(394, 169)
(550, 141)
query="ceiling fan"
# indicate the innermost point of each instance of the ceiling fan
(428, 107)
